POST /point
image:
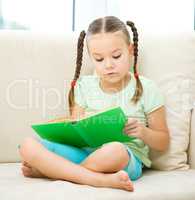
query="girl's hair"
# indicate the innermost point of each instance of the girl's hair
(108, 24)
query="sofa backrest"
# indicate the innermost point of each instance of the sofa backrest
(36, 71)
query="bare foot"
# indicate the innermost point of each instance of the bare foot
(29, 171)
(119, 180)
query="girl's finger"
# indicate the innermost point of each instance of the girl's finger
(130, 130)
(131, 126)
(132, 121)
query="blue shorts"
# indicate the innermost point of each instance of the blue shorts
(77, 155)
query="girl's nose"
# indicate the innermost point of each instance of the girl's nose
(108, 64)
(109, 67)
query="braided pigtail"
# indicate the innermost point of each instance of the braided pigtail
(80, 45)
(139, 88)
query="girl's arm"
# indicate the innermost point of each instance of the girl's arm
(156, 135)
(77, 112)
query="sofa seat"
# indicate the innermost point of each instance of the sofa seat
(154, 185)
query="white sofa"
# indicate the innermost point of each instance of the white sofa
(36, 70)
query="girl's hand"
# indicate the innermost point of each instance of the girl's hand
(134, 127)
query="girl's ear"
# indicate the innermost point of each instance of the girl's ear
(131, 49)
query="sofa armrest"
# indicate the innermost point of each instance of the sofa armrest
(192, 141)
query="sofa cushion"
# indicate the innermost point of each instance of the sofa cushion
(167, 185)
(176, 89)
(192, 139)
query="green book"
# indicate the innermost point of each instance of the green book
(91, 131)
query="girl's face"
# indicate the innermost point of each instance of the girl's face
(111, 55)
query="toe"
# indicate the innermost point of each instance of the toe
(129, 186)
(26, 164)
(26, 171)
(25, 168)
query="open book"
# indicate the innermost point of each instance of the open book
(90, 131)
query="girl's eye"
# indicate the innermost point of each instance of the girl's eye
(99, 60)
(116, 57)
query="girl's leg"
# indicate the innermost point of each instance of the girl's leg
(71, 153)
(56, 167)
(95, 161)
(111, 157)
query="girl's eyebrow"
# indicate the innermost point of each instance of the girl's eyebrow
(112, 52)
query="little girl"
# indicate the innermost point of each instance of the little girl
(114, 164)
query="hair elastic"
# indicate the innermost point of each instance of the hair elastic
(136, 75)
(73, 83)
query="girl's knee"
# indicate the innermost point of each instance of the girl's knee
(28, 148)
(115, 148)
(118, 150)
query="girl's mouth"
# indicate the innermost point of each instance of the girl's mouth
(111, 73)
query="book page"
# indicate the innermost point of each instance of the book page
(71, 119)
(96, 113)
(62, 119)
